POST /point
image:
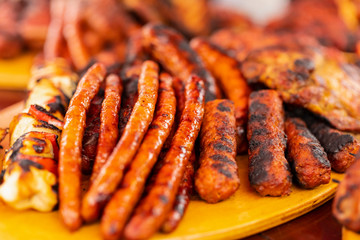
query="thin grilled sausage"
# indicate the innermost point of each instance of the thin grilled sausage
(307, 157)
(109, 177)
(340, 147)
(109, 120)
(91, 134)
(217, 178)
(129, 98)
(174, 53)
(153, 209)
(70, 146)
(346, 202)
(123, 202)
(227, 71)
(182, 199)
(269, 171)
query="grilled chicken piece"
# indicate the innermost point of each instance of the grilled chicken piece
(30, 167)
(321, 19)
(318, 79)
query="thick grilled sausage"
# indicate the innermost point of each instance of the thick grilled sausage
(307, 157)
(227, 71)
(109, 177)
(269, 171)
(217, 178)
(346, 202)
(70, 146)
(340, 147)
(174, 53)
(153, 209)
(109, 121)
(123, 202)
(182, 199)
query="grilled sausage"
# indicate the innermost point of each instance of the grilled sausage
(109, 120)
(174, 53)
(70, 146)
(91, 133)
(269, 171)
(109, 177)
(340, 147)
(346, 202)
(153, 209)
(123, 202)
(217, 178)
(227, 71)
(306, 155)
(182, 198)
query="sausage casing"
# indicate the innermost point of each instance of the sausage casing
(269, 171)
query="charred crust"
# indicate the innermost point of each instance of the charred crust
(221, 168)
(222, 147)
(304, 64)
(223, 159)
(222, 108)
(256, 106)
(164, 199)
(154, 126)
(46, 125)
(56, 105)
(38, 148)
(257, 118)
(43, 110)
(258, 166)
(25, 164)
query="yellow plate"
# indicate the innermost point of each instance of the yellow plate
(244, 214)
(349, 235)
(15, 72)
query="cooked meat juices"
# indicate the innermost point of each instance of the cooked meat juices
(269, 171)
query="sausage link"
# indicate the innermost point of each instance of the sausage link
(123, 202)
(70, 146)
(228, 74)
(346, 202)
(109, 177)
(174, 53)
(182, 199)
(269, 171)
(91, 134)
(307, 157)
(109, 120)
(340, 147)
(153, 209)
(217, 178)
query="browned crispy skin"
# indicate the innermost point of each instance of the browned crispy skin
(109, 177)
(182, 199)
(269, 171)
(153, 209)
(346, 202)
(70, 146)
(307, 157)
(217, 178)
(320, 19)
(174, 53)
(190, 17)
(91, 134)
(227, 72)
(3, 133)
(109, 121)
(313, 78)
(124, 200)
(340, 147)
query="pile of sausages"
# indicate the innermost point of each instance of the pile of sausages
(170, 120)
